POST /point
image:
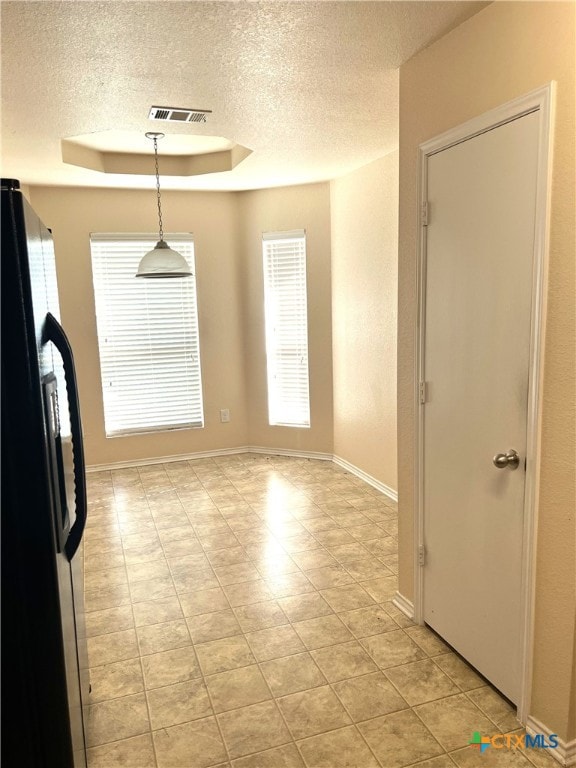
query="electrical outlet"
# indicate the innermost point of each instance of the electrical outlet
(224, 415)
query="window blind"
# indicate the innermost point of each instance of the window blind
(147, 338)
(286, 321)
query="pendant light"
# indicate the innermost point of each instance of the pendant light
(162, 261)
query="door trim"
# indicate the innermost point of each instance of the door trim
(541, 101)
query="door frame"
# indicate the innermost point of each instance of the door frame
(541, 101)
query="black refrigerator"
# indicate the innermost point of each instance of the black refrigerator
(45, 684)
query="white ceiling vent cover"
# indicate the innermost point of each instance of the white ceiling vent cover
(177, 115)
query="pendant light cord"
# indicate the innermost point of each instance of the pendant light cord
(158, 189)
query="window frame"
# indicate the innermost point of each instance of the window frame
(276, 285)
(189, 357)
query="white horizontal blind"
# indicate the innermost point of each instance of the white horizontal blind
(286, 328)
(147, 337)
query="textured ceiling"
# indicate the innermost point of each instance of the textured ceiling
(310, 87)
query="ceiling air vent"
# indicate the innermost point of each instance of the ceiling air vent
(177, 115)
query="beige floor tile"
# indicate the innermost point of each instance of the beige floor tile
(237, 688)
(329, 576)
(117, 719)
(338, 749)
(399, 616)
(112, 577)
(193, 581)
(381, 589)
(366, 531)
(314, 711)
(181, 548)
(178, 703)
(429, 641)
(203, 601)
(279, 757)
(399, 739)
(115, 646)
(369, 696)
(274, 642)
(334, 536)
(272, 563)
(260, 616)
(470, 757)
(169, 667)
(156, 638)
(454, 720)
(347, 598)
(320, 522)
(390, 649)
(111, 681)
(224, 557)
(387, 545)
(111, 597)
(316, 558)
(137, 752)
(157, 611)
(146, 571)
(105, 560)
(154, 589)
(197, 744)
(461, 673)
(219, 541)
(236, 574)
(291, 674)
(183, 534)
(307, 606)
(247, 593)
(253, 729)
(224, 654)
(149, 552)
(442, 761)
(346, 553)
(421, 681)
(195, 562)
(323, 631)
(372, 620)
(339, 662)
(213, 626)
(109, 620)
(288, 584)
(496, 708)
(368, 568)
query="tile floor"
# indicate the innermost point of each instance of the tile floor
(239, 614)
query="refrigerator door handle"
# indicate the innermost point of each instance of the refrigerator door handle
(54, 332)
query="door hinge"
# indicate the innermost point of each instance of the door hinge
(423, 389)
(421, 555)
(424, 214)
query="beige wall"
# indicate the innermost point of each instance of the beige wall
(227, 230)
(503, 52)
(271, 210)
(212, 217)
(364, 207)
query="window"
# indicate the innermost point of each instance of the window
(147, 337)
(286, 328)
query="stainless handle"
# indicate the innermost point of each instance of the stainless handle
(509, 459)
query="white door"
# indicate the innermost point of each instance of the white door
(479, 262)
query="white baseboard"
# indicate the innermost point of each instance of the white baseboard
(564, 753)
(290, 452)
(385, 489)
(209, 455)
(404, 605)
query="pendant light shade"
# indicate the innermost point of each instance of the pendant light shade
(162, 261)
